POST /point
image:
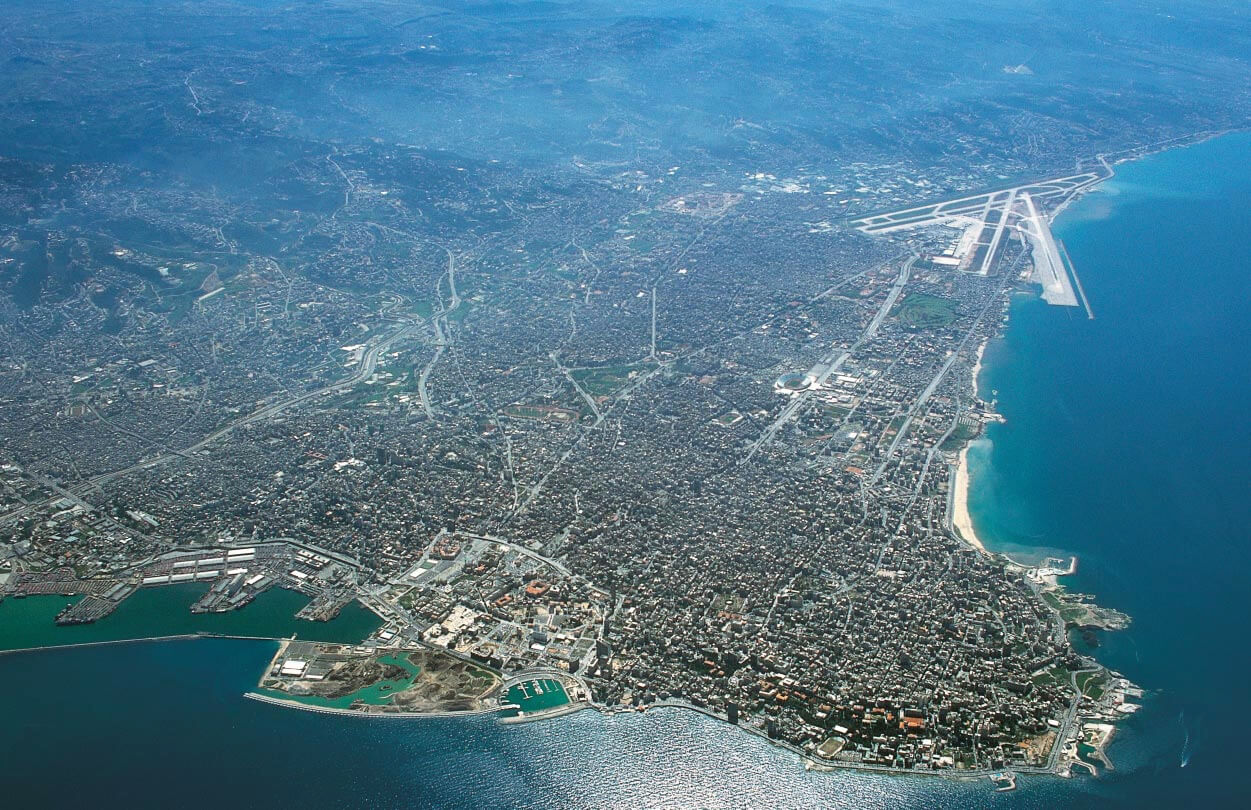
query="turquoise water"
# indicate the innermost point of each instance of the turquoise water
(375, 694)
(164, 611)
(1125, 444)
(530, 700)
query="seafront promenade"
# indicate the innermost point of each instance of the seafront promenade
(813, 763)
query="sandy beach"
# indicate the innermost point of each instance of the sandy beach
(960, 518)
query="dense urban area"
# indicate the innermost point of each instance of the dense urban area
(679, 418)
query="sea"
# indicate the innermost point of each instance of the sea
(1126, 444)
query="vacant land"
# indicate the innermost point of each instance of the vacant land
(600, 382)
(922, 311)
(411, 681)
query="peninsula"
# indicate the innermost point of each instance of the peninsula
(825, 588)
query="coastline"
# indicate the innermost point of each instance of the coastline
(961, 519)
(961, 492)
(805, 758)
(305, 707)
(1110, 160)
(546, 714)
(816, 764)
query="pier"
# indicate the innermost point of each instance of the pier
(86, 610)
(1004, 781)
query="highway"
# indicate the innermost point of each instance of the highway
(829, 366)
(587, 398)
(439, 322)
(920, 402)
(912, 412)
(366, 368)
(520, 549)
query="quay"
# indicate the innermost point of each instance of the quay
(1004, 781)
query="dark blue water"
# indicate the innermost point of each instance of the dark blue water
(164, 724)
(1126, 444)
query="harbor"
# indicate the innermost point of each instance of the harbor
(30, 621)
